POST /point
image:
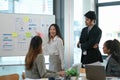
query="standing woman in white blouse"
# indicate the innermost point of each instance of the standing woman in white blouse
(55, 48)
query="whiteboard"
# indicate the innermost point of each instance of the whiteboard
(16, 31)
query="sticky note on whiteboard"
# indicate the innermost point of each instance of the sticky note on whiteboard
(28, 34)
(14, 34)
(26, 19)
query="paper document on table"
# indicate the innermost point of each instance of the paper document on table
(96, 63)
(36, 79)
(112, 78)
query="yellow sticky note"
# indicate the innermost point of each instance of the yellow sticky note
(28, 34)
(26, 19)
(14, 34)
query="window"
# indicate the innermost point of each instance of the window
(78, 25)
(34, 6)
(102, 1)
(108, 20)
(27, 6)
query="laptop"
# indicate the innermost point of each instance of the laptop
(95, 72)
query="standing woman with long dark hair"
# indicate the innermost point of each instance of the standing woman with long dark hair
(55, 48)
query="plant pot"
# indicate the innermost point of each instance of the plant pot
(73, 78)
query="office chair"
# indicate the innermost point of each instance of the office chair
(10, 77)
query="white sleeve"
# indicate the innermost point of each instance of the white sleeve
(45, 50)
(60, 48)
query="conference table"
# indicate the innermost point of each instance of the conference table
(82, 76)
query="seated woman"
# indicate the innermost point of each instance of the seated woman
(35, 63)
(112, 49)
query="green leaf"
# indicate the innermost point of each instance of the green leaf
(72, 72)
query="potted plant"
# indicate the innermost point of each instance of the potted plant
(72, 74)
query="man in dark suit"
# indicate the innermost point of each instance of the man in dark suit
(89, 40)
